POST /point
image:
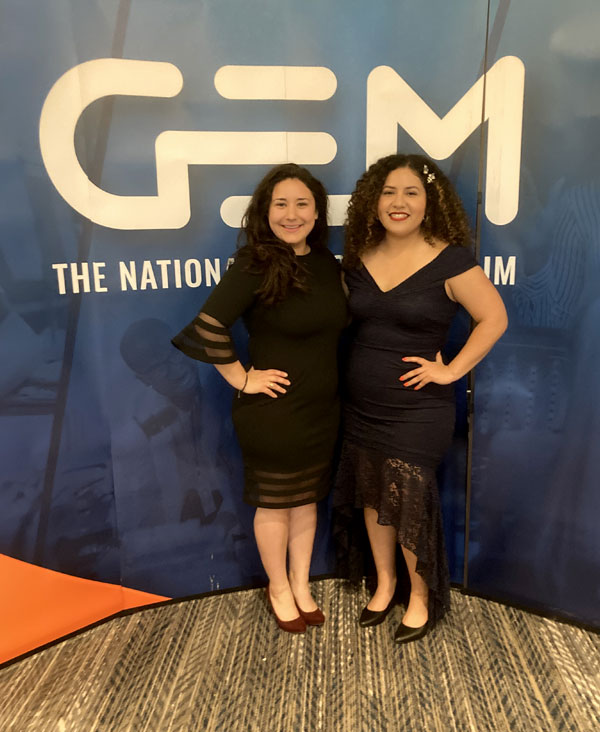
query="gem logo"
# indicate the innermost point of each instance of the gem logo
(390, 102)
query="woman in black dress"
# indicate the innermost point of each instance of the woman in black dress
(408, 267)
(286, 286)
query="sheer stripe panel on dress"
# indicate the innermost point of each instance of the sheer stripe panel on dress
(206, 339)
(286, 490)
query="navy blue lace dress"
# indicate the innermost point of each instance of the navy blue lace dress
(394, 436)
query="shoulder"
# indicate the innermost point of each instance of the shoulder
(326, 258)
(238, 280)
(244, 266)
(353, 276)
(456, 259)
(242, 259)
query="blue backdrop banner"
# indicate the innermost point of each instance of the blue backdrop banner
(536, 464)
(133, 133)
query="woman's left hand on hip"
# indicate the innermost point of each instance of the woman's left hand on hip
(435, 372)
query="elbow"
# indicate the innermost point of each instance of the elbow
(499, 321)
(499, 327)
(502, 324)
(494, 326)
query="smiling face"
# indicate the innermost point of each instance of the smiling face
(402, 203)
(292, 213)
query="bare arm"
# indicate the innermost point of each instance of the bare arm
(474, 291)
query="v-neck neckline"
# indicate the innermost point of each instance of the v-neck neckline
(406, 279)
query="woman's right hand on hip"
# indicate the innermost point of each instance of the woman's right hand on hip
(268, 381)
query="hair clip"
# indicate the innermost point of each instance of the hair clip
(430, 176)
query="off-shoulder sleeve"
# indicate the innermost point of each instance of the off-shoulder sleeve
(207, 337)
(458, 260)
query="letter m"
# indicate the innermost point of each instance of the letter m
(495, 98)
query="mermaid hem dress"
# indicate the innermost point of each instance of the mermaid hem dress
(393, 436)
(287, 443)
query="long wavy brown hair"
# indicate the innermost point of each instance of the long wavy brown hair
(263, 252)
(445, 218)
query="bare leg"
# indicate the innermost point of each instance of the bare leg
(416, 613)
(303, 525)
(383, 546)
(271, 529)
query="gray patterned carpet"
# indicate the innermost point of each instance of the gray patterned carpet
(221, 664)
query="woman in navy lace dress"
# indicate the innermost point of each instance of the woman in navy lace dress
(408, 267)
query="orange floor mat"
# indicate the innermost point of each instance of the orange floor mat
(39, 605)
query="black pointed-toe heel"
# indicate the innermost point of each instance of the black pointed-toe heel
(405, 634)
(369, 618)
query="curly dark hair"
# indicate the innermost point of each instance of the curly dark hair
(445, 217)
(263, 251)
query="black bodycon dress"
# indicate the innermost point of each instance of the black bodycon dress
(394, 436)
(287, 443)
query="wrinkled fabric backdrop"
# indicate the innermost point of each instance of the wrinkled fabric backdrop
(118, 460)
